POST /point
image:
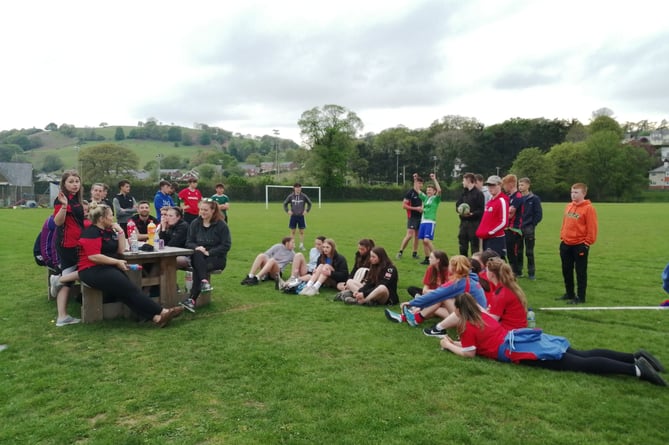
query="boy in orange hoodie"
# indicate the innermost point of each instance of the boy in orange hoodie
(578, 233)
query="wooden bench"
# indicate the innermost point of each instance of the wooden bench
(93, 307)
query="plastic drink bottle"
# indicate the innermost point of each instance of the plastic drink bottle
(151, 230)
(531, 319)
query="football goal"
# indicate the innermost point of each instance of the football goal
(275, 194)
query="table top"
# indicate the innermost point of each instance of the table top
(167, 251)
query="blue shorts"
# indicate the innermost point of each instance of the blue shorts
(297, 221)
(426, 230)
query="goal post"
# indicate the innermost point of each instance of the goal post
(267, 187)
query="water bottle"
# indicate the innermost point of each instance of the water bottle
(531, 319)
(151, 231)
(189, 281)
(135, 266)
(134, 243)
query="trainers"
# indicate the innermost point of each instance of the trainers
(650, 358)
(54, 286)
(302, 247)
(576, 300)
(408, 315)
(425, 261)
(565, 297)
(67, 320)
(253, 281)
(169, 315)
(205, 286)
(188, 304)
(350, 300)
(531, 277)
(434, 331)
(279, 284)
(414, 255)
(246, 281)
(311, 291)
(399, 255)
(304, 290)
(341, 296)
(393, 316)
(648, 373)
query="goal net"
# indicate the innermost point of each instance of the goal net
(275, 193)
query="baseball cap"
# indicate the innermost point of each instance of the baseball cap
(493, 180)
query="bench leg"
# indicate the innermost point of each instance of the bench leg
(91, 304)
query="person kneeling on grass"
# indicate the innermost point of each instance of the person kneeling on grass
(100, 248)
(271, 263)
(440, 302)
(481, 334)
(332, 269)
(209, 237)
(380, 286)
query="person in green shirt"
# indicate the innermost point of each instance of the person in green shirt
(222, 200)
(431, 199)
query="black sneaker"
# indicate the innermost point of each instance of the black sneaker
(650, 358)
(434, 331)
(253, 281)
(648, 373)
(188, 304)
(425, 261)
(576, 300)
(414, 255)
(565, 297)
(246, 281)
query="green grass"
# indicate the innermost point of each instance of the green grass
(257, 366)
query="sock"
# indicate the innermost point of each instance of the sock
(418, 317)
(251, 275)
(317, 284)
(310, 283)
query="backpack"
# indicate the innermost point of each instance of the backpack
(44, 249)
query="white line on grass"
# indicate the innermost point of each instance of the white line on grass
(604, 308)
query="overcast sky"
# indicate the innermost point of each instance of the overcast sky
(253, 66)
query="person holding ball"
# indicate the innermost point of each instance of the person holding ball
(470, 209)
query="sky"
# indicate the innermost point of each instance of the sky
(252, 67)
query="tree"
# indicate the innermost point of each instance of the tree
(206, 171)
(569, 164)
(205, 139)
(103, 124)
(174, 134)
(606, 123)
(119, 135)
(330, 132)
(52, 163)
(534, 164)
(51, 127)
(606, 112)
(106, 162)
(9, 151)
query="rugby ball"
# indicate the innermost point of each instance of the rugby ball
(463, 208)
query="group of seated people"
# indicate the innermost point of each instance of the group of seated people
(90, 248)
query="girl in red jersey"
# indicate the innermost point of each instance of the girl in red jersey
(68, 214)
(101, 266)
(481, 334)
(436, 274)
(508, 305)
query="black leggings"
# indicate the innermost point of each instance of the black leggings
(594, 361)
(115, 283)
(202, 265)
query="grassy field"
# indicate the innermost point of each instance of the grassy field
(258, 366)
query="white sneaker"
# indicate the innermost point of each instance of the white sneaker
(54, 286)
(302, 247)
(312, 291)
(305, 290)
(67, 320)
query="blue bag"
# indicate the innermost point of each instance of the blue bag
(531, 344)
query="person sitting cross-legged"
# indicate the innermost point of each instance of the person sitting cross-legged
(380, 286)
(271, 263)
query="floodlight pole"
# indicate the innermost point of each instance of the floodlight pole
(276, 146)
(397, 167)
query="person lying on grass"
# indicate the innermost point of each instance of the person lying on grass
(481, 334)
(507, 305)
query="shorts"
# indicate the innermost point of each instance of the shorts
(426, 230)
(413, 223)
(297, 221)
